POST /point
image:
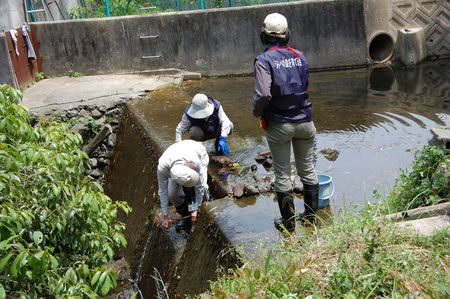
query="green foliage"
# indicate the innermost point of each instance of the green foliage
(39, 77)
(91, 124)
(427, 183)
(354, 257)
(72, 73)
(57, 227)
(97, 9)
(357, 256)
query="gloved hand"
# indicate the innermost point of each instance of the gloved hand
(221, 146)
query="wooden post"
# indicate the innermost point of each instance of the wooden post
(98, 139)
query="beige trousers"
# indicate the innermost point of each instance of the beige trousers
(282, 137)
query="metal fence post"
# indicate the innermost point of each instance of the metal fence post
(108, 14)
(202, 4)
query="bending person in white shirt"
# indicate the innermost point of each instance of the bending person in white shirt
(182, 181)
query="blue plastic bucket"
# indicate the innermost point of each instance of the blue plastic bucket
(326, 190)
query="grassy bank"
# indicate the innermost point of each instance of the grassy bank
(356, 256)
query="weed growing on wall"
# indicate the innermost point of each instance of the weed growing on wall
(72, 73)
(57, 227)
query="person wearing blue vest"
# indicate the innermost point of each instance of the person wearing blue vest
(205, 119)
(281, 102)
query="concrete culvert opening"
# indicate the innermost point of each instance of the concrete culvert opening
(381, 48)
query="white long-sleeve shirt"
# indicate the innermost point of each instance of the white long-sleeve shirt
(186, 150)
(185, 124)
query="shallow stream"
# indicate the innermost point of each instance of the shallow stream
(375, 118)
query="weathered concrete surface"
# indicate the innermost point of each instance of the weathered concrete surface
(213, 42)
(426, 226)
(425, 220)
(441, 137)
(11, 14)
(377, 13)
(424, 212)
(411, 45)
(62, 93)
(7, 75)
(185, 262)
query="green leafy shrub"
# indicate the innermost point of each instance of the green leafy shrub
(72, 73)
(57, 227)
(39, 77)
(427, 183)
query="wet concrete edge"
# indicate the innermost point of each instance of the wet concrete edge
(132, 178)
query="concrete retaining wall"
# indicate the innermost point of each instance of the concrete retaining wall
(11, 14)
(214, 42)
(186, 263)
(332, 34)
(7, 75)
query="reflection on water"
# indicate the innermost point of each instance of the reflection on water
(374, 117)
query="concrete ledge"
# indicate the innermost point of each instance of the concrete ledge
(441, 137)
(426, 221)
(57, 94)
(425, 212)
(427, 226)
(192, 76)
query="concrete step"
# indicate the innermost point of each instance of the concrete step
(426, 226)
(425, 220)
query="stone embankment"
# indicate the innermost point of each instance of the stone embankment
(88, 121)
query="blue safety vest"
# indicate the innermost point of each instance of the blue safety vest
(289, 70)
(209, 125)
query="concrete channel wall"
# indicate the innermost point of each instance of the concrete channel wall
(185, 263)
(7, 75)
(213, 42)
(332, 34)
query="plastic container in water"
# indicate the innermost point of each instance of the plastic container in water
(326, 190)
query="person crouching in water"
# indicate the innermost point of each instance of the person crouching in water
(182, 181)
(281, 101)
(205, 119)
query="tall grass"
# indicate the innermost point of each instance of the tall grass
(353, 257)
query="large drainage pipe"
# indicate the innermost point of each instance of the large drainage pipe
(381, 47)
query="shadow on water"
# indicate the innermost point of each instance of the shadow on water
(374, 117)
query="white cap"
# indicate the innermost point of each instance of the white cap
(184, 176)
(275, 24)
(201, 107)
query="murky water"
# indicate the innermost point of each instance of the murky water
(374, 117)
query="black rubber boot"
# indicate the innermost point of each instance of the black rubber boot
(287, 210)
(311, 199)
(185, 222)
